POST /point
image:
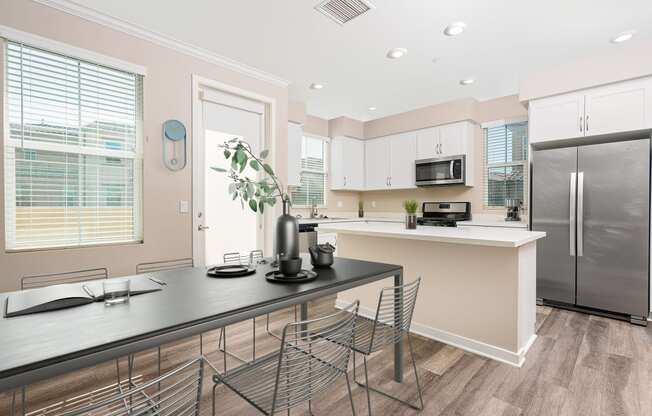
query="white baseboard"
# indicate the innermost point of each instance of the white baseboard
(467, 344)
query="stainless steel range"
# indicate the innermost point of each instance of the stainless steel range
(444, 214)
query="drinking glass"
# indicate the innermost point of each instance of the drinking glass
(116, 291)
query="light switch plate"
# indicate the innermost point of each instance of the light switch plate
(183, 207)
(339, 204)
(373, 204)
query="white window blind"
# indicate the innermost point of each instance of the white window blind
(73, 152)
(506, 168)
(313, 173)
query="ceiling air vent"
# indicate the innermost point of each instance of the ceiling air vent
(342, 11)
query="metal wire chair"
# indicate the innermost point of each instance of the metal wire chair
(312, 356)
(254, 257)
(163, 265)
(77, 276)
(392, 321)
(37, 281)
(177, 393)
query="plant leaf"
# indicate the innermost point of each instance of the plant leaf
(253, 205)
(232, 188)
(254, 165)
(264, 154)
(261, 206)
(268, 169)
(235, 195)
(218, 169)
(227, 153)
(251, 189)
(240, 156)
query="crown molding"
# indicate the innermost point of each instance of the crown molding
(160, 39)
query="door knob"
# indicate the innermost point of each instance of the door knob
(202, 227)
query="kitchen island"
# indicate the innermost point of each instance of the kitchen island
(479, 284)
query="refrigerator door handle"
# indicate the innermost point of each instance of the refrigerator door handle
(572, 212)
(580, 214)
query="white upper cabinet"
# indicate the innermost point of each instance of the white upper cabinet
(389, 162)
(620, 107)
(347, 164)
(453, 138)
(377, 163)
(428, 143)
(402, 154)
(295, 134)
(616, 108)
(556, 118)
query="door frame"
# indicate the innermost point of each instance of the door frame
(200, 84)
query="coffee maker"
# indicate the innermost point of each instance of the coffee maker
(514, 207)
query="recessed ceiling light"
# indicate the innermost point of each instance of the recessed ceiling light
(454, 28)
(372, 108)
(316, 86)
(623, 37)
(467, 81)
(396, 53)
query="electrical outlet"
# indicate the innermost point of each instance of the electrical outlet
(373, 204)
(339, 204)
(183, 207)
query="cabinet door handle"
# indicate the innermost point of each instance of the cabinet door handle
(581, 124)
(345, 181)
(586, 123)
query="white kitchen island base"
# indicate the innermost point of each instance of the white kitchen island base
(476, 296)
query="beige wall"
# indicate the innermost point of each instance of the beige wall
(167, 95)
(344, 126)
(622, 62)
(297, 112)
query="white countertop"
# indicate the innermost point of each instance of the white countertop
(345, 220)
(484, 236)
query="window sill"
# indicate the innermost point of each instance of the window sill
(82, 246)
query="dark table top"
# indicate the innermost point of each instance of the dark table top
(191, 303)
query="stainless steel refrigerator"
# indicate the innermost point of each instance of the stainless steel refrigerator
(593, 202)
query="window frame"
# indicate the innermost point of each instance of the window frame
(136, 155)
(525, 164)
(327, 148)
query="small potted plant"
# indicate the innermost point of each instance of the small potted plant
(410, 206)
(360, 209)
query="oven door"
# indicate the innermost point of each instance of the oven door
(440, 171)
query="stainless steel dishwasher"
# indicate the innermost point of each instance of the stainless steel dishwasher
(307, 236)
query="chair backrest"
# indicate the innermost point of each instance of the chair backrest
(43, 280)
(394, 314)
(235, 258)
(176, 393)
(313, 355)
(160, 266)
(255, 256)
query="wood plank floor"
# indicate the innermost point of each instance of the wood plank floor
(579, 365)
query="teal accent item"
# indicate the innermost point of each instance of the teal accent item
(174, 137)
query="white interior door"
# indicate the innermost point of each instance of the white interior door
(224, 225)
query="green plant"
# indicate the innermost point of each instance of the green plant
(410, 206)
(256, 193)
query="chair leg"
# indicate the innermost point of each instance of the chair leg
(348, 387)
(213, 400)
(416, 375)
(366, 384)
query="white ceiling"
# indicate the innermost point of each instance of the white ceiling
(505, 40)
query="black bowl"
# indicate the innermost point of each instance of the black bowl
(290, 267)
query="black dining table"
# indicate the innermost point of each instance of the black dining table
(39, 346)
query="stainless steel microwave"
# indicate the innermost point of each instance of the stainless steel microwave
(440, 171)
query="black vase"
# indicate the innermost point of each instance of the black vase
(287, 234)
